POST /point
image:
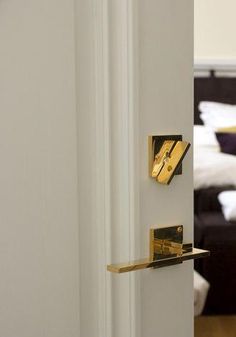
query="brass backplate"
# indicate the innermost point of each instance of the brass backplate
(167, 241)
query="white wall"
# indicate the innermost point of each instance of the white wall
(215, 29)
(38, 170)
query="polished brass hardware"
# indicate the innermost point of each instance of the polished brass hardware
(166, 249)
(166, 154)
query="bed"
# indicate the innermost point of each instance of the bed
(215, 172)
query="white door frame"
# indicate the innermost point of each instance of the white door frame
(107, 162)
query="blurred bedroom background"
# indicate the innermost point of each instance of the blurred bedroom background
(215, 167)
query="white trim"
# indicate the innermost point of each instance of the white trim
(93, 166)
(102, 155)
(133, 94)
(124, 131)
(107, 157)
(76, 119)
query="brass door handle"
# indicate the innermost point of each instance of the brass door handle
(166, 154)
(166, 249)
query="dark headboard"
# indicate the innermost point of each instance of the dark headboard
(215, 89)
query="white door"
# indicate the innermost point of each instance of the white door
(134, 80)
(83, 83)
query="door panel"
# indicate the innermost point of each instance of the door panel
(83, 85)
(39, 223)
(136, 57)
(165, 107)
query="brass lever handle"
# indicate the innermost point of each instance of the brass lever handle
(166, 249)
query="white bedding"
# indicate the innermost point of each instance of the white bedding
(213, 168)
(201, 288)
(227, 200)
(217, 115)
(204, 136)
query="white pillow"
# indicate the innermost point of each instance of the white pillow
(217, 115)
(227, 200)
(204, 136)
(213, 168)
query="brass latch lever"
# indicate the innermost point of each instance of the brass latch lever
(166, 249)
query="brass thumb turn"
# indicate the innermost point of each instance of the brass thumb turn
(166, 154)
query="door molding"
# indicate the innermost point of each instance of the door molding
(108, 149)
